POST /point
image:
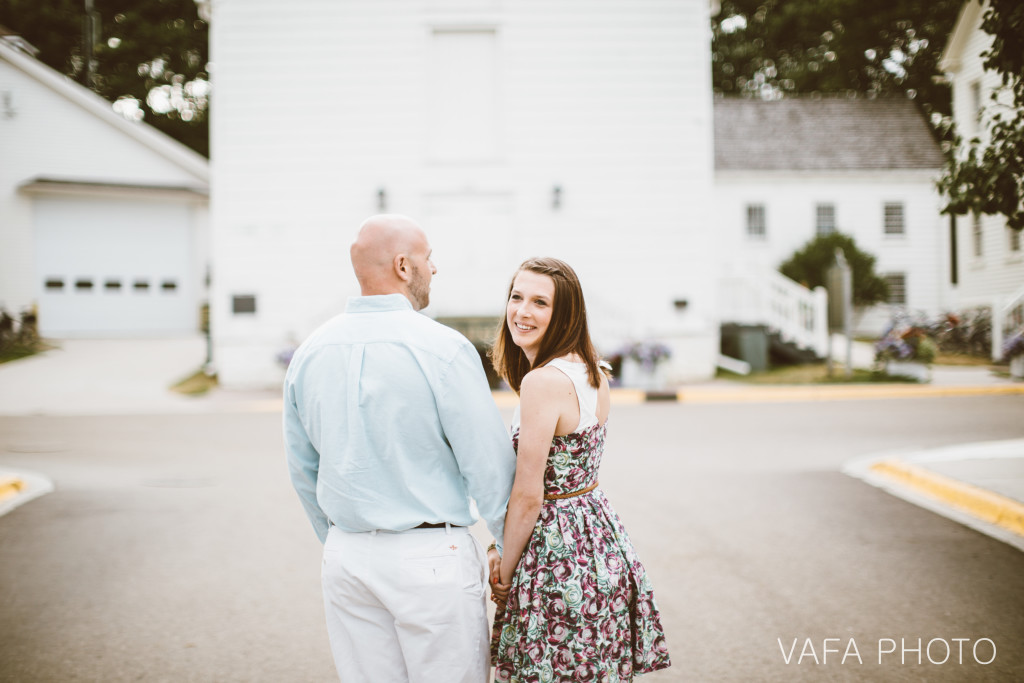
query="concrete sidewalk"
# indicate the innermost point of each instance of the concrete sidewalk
(977, 484)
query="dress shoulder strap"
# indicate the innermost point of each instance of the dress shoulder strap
(586, 395)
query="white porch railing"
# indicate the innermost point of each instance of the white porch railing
(1007, 319)
(766, 297)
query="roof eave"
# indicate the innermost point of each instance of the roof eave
(965, 23)
(80, 187)
(164, 145)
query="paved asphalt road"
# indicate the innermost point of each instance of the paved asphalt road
(173, 548)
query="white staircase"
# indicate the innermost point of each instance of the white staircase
(766, 297)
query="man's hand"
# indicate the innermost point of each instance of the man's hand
(493, 564)
(499, 591)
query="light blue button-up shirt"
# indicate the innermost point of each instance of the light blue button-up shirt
(389, 423)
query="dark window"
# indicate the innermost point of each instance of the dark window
(1014, 239)
(112, 285)
(756, 225)
(54, 283)
(141, 285)
(897, 288)
(825, 219)
(893, 218)
(977, 235)
(169, 285)
(243, 303)
(83, 284)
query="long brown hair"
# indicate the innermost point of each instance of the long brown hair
(567, 332)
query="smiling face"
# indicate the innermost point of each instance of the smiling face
(529, 308)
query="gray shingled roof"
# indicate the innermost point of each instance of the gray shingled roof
(834, 134)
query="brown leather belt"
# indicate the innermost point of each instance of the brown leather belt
(431, 525)
(563, 496)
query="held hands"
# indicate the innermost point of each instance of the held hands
(499, 590)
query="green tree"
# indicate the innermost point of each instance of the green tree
(809, 266)
(988, 177)
(150, 58)
(774, 48)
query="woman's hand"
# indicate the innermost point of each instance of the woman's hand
(499, 594)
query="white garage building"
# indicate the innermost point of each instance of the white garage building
(103, 222)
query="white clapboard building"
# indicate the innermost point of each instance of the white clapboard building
(988, 255)
(788, 170)
(508, 129)
(102, 221)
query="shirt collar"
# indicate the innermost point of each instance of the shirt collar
(378, 303)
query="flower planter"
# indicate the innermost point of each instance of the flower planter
(908, 368)
(1017, 367)
(636, 375)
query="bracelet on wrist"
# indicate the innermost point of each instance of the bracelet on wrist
(492, 546)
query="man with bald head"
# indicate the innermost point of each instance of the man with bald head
(390, 428)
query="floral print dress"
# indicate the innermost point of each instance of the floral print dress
(581, 607)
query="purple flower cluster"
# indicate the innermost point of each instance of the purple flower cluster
(905, 340)
(284, 357)
(893, 347)
(647, 353)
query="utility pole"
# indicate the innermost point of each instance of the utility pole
(839, 280)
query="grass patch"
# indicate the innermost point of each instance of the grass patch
(8, 355)
(813, 373)
(19, 350)
(196, 384)
(962, 359)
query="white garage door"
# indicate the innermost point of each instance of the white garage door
(113, 267)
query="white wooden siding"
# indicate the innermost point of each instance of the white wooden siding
(609, 101)
(998, 272)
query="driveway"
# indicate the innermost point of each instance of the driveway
(102, 377)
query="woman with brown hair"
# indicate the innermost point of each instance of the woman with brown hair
(573, 598)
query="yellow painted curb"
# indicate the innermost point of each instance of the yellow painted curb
(744, 394)
(509, 399)
(840, 393)
(10, 487)
(991, 507)
(628, 396)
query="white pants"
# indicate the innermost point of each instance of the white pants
(407, 607)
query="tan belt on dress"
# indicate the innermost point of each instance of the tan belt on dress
(563, 496)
